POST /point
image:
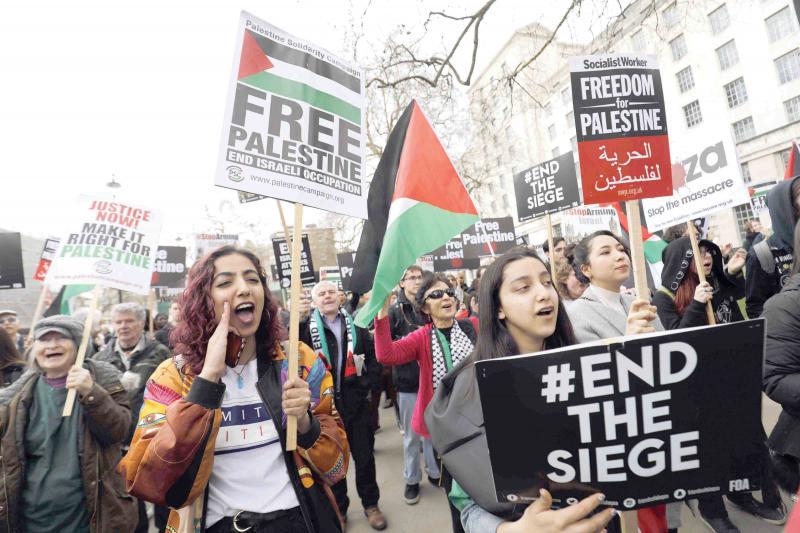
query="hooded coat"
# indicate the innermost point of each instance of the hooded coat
(728, 290)
(782, 365)
(761, 285)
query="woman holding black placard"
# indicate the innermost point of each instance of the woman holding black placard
(520, 313)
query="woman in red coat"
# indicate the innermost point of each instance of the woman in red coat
(438, 347)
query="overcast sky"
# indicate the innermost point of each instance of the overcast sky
(137, 90)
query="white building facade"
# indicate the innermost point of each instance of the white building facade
(732, 65)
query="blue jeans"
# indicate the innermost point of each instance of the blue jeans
(414, 444)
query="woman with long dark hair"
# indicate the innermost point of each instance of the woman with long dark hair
(11, 363)
(438, 347)
(520, 313)
(210, 441)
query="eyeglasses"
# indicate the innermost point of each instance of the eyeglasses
(411, 278)
(439, 293)
(8, 320)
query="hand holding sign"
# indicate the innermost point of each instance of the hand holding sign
(539, 517)
(703, 293)
(640, 315)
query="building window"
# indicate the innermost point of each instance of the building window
(547, 109)
(678, 47)
(727, 55)
(574, 143)
(788, 66)
(746, 173)
(719, 19)
(639, 42)
(743, 213)
(670, 15)
(570, 120)
(744, 129)
(792, 109)
(685, 79)
(736, 92)
(551, 131)
(780, 25)
(565, 96)
(693, 114)
(556, 152)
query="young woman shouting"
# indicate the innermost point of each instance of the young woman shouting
(521, 313)
(210, 442)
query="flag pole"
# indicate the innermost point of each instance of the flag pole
(549, 223)
(87, 335)
(698, 265)
(637, 249)
(486, 236)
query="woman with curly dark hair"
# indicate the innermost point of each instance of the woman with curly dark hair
(211, 433)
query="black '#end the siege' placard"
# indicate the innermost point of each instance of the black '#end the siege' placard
(651, 420)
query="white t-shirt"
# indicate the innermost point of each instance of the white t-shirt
(249, 472)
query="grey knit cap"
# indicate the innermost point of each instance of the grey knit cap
(64, 324)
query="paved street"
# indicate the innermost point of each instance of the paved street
(430, 515)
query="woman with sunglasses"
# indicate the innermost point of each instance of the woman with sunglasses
(681, 303)
(438, 347)
(521, 313)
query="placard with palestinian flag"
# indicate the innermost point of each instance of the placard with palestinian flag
(293, 123)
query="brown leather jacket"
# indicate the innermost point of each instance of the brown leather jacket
(106, 420)
(172, 453)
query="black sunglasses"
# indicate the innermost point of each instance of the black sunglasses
(439, 293)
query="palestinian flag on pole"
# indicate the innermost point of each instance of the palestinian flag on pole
(793, 166)
(653, 245)
(416, 204)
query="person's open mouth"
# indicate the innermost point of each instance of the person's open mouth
(245, 313)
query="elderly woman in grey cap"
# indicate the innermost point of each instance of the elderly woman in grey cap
(58, 472)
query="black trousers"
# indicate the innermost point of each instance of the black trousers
(447, 483)
(361, 437)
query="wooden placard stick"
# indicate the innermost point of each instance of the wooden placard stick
(294, 316)
(637, 250)
(698, 265)
(549, 223)
(629, 521)
(36, 314)
(87, 336)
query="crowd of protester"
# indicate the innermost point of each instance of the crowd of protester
(185, 426)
